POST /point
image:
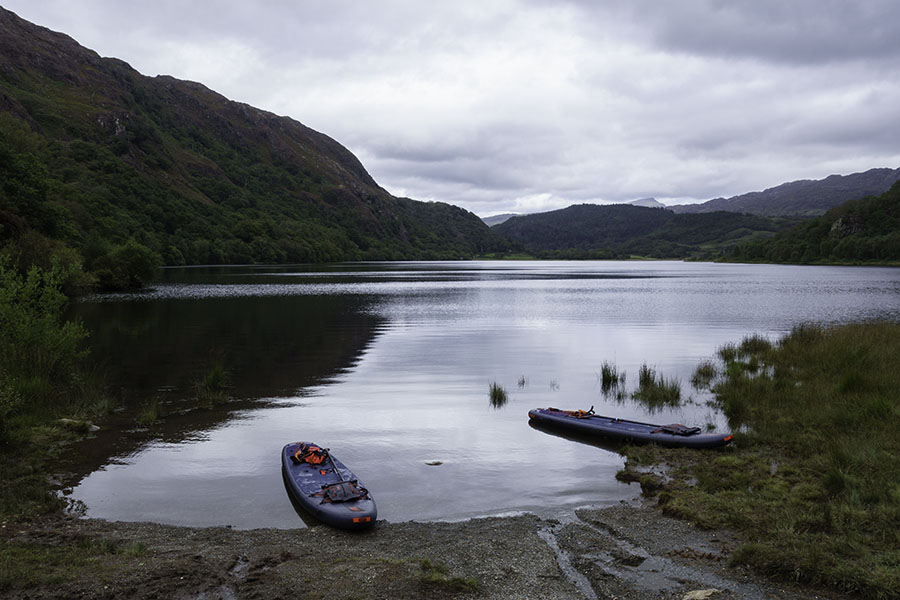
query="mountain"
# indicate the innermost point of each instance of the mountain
(858, 231)
(97, 158)
(647, 203)
(621, 230)
(497, 219)
(802, 198)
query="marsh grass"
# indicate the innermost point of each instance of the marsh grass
(656, 391)
(813, 482)
(497, 395)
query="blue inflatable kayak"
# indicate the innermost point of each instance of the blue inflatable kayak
(326, 489)
(587, 423)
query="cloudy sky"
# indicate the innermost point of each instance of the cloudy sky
(528, 105)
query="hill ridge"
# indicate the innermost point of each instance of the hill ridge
(803, 197)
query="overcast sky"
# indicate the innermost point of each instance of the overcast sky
(528, 105)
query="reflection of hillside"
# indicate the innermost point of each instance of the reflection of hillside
(270, 346)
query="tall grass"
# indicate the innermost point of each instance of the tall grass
(815, 484)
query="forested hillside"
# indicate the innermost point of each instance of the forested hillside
(619, 231)
(865, 230)
(102, 164)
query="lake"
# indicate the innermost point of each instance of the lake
(389, 366)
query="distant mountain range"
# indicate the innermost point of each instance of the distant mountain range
(647, 203)
(497, 219)
(622, 230)
(802, 198)
(866, 230)
(93, 154)
(712, 229)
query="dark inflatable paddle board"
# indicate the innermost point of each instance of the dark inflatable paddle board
(325, 488)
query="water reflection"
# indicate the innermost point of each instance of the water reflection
(271, 347)
(580, 438)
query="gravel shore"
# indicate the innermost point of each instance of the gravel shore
(629, 551)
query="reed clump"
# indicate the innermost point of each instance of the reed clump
(497, 395)
(212, 388)
(656, 391)
(149, 413)
(610, 378)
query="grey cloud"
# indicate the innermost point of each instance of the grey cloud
(540, 103)
(798, 31)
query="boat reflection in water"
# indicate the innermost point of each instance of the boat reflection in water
(586, 423)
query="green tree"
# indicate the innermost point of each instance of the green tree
(125, 266)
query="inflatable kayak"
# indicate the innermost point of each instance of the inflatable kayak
(587, 423)
(325, 488)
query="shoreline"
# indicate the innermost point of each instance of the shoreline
(628, 551)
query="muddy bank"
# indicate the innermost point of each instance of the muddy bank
(624, 552)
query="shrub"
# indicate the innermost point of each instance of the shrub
(123, 267)
(39, 353)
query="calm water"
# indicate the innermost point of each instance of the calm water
(389, 365)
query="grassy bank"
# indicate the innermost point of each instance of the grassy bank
(813, 480)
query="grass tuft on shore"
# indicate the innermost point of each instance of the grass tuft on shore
(813, 482)
(434, 577)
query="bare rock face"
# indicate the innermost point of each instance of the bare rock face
(844, 226)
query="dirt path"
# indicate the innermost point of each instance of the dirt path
(624, 552)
